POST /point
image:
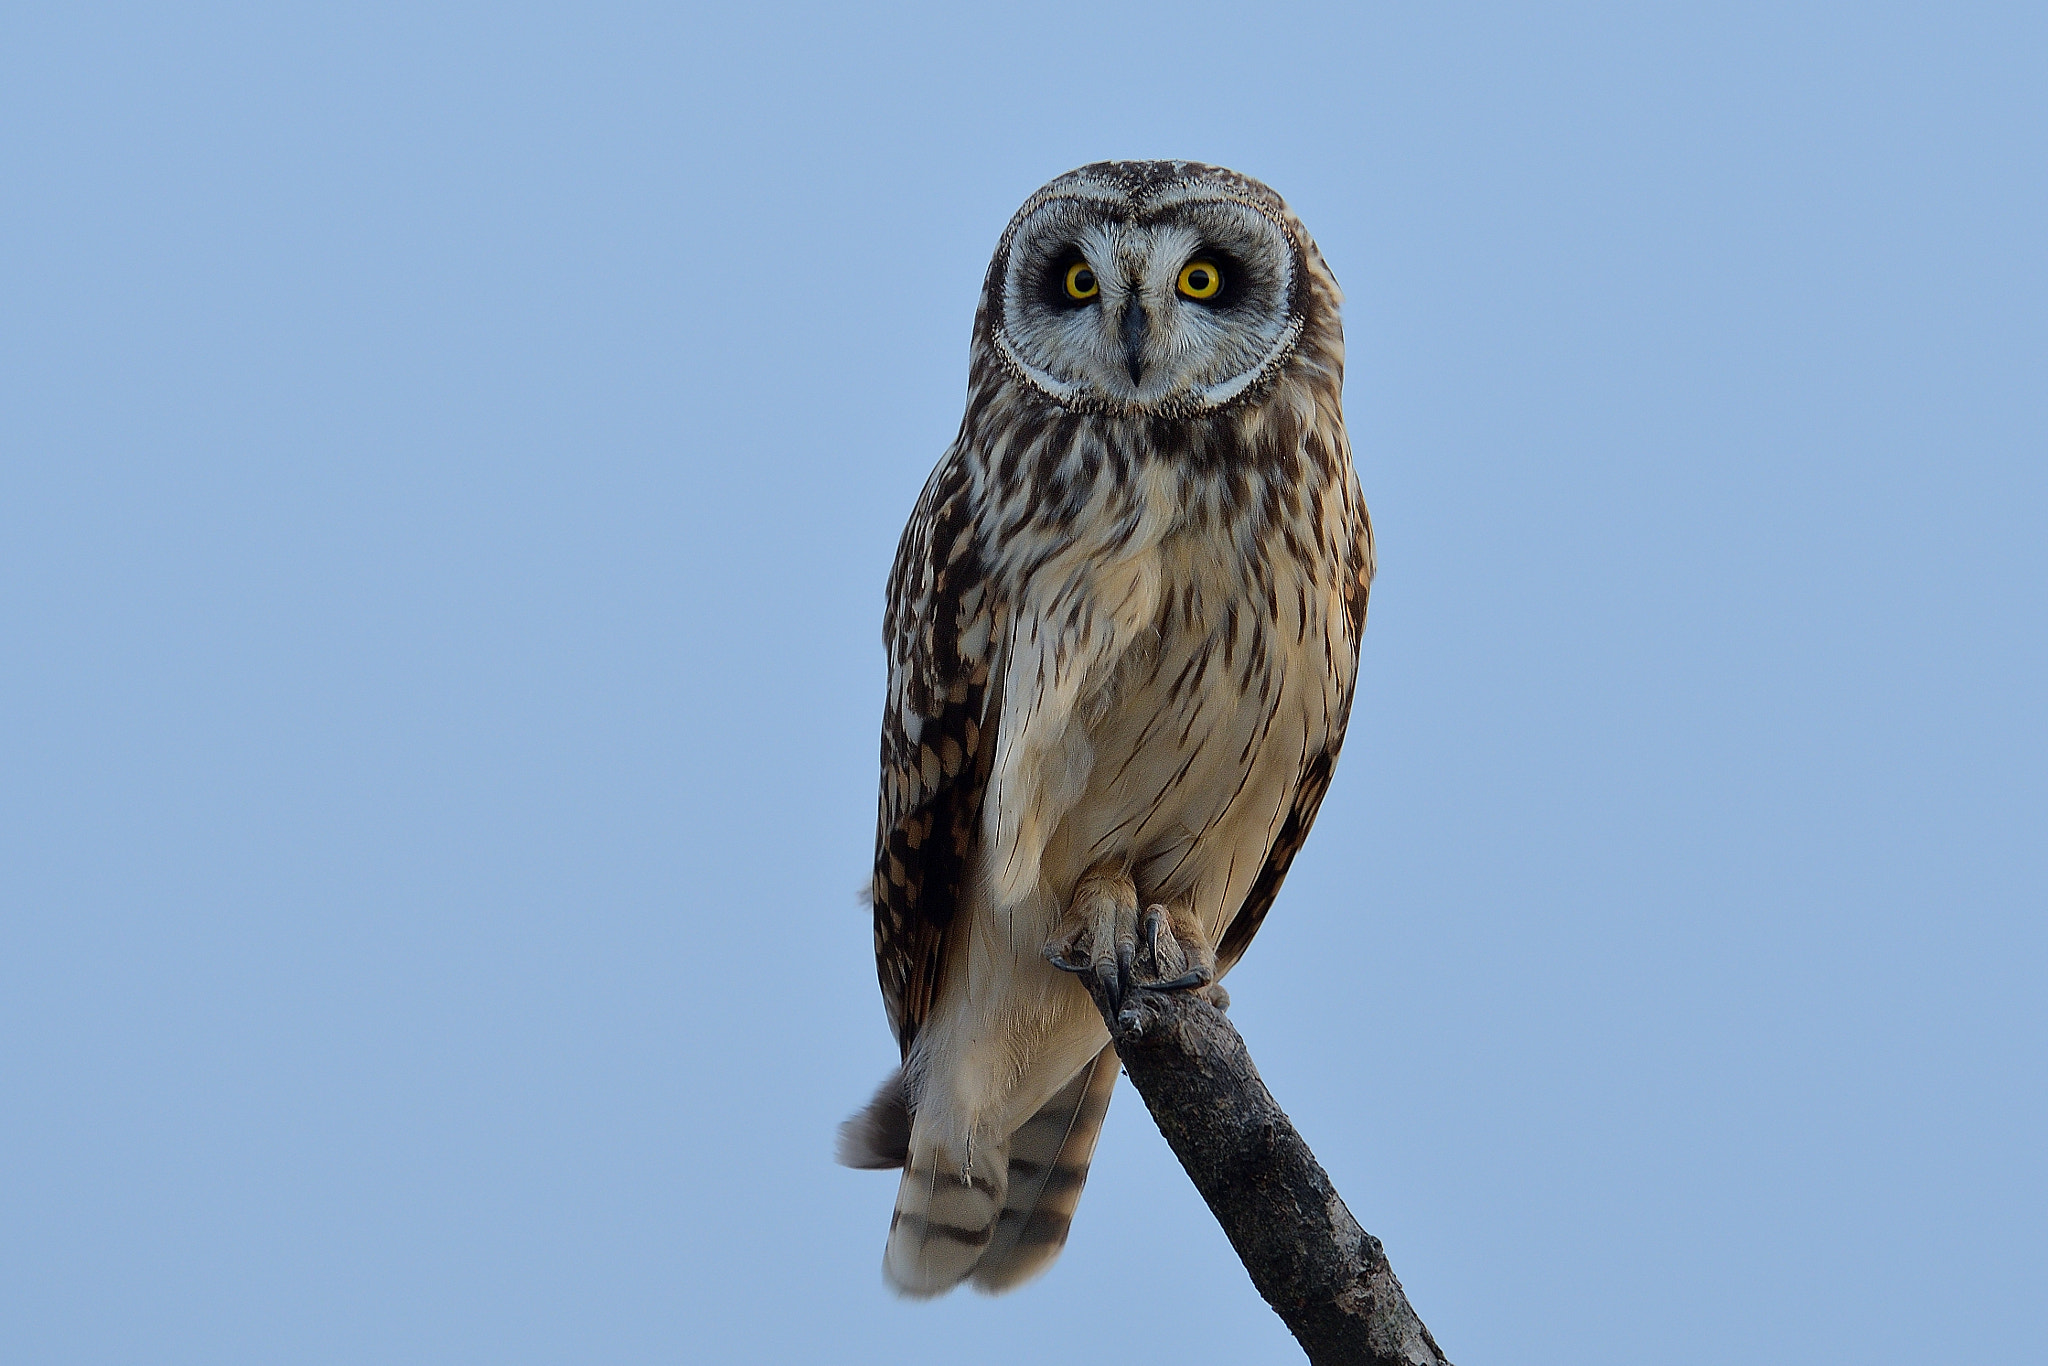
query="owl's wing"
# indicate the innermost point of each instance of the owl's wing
(1315, 775)
(942, 631)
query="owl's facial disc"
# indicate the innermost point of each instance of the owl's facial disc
(1177, 304)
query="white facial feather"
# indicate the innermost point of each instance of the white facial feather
(1196, 354)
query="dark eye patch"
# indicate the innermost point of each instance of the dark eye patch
(1052, 280)
(1231, 268)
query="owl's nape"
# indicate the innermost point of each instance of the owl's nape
(1122, 633)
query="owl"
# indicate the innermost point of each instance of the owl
(1122, 632)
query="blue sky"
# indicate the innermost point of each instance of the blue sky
(449, 460)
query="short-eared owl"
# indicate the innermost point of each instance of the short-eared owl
(1122, 629)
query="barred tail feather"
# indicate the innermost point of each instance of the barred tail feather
(1048, 1166)
(945, 1217)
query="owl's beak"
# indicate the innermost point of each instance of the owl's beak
(1134, 327)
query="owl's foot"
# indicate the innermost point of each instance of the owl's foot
(1175, 953)
(1099, 936)
(1118, 949)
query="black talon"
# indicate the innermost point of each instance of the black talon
(1060, 961)
(1187, 980)
(1106, 978)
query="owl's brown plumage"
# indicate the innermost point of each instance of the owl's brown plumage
(1123, 630)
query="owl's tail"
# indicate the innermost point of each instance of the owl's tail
(1048, 1166)
(946, 1208)
(1002, 1217)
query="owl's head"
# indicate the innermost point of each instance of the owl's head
(1165, 287)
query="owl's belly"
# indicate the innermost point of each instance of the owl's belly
(1140, 727)
(1195, 762)
(1179, 763)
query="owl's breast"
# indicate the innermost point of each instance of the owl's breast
(1158, 711)
(1200, 742)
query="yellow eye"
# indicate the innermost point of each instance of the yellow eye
(1081, 281)
(1200, 280)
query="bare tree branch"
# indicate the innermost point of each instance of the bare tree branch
(1327, 1278)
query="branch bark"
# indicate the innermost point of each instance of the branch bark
(1327, 1278)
